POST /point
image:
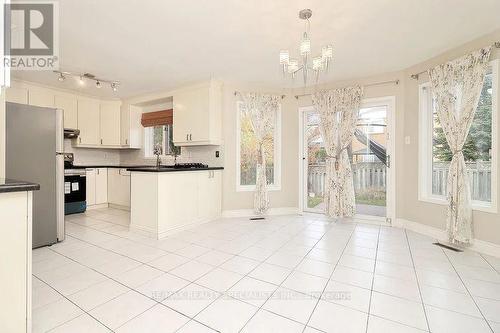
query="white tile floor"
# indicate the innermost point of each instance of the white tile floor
(283, 274)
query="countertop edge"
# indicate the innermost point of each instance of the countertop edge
(10, 186)
(155, 170)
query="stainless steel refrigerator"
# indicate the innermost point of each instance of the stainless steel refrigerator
(34, 152)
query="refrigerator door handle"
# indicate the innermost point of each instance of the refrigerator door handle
(60, 196)
(60, 131)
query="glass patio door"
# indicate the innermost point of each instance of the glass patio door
(369, 157)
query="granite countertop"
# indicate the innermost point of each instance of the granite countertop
(165, 168)
(11, 185)
(93, 166)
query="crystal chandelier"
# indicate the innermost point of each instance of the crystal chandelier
(318, 64)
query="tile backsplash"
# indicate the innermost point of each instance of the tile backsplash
(92, 156)
(201, 154)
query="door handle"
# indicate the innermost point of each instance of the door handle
(190, 137)
(187, 137)
(126, 141)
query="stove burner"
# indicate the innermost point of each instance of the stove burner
(190, 166)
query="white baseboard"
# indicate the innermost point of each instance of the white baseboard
(251, 212)
(160, 234)
(441, 235)
(99, 206)
(120, 207)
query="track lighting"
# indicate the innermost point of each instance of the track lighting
(87, 76)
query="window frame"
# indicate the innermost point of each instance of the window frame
(148, 142)
(425, 146)
(277, 153)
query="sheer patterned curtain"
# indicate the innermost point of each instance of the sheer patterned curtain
(261, 109)
(338, 110)
(456, 88)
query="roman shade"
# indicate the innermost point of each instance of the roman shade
(157, 118)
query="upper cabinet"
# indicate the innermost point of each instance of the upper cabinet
(197, 115)
(41, 97)
(69, 104)
(110, 123)
(89, 122)
(16, 95)
(131, 129)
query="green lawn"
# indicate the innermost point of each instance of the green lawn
(314, 201)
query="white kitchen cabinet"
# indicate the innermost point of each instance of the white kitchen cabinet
(15, 261)
(119, 187)
(41, 97)
(164, 202)
(110, 123)
(197, 115)
(209, 183)
(16, 95)
(89, 122)
(90, 177)
(97, 186)
(101, 186)
(69, 104)
(131, 128)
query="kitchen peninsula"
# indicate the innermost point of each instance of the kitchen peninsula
(16, 199)
(167, 199)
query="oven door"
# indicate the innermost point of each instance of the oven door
(75, 189)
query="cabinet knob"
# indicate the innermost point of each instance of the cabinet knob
(126, 141)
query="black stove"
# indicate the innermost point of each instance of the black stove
(190, 166)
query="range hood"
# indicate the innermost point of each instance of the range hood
(71, 133)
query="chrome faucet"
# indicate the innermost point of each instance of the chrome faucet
(157, 150)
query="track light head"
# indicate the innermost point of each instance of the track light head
(84, 77)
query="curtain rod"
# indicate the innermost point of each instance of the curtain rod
(237, 92)
(396, 82)
(416, 75)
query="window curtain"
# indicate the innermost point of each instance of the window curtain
(261, 109)
(157, 118)
(338, 110)
(456, 88)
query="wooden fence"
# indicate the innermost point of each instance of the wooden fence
(373, 176)
(479, 177)
(368, 175)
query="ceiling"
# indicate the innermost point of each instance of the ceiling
(152, 45)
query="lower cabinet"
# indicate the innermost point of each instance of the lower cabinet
(209, 203)
(163, 202)
(97, 186)
(15, 261)
(119, 187)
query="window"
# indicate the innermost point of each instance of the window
(479, 149)
(246, 155)
(160, 135)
